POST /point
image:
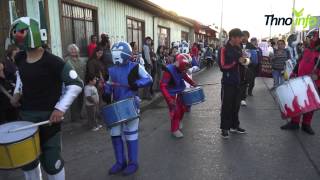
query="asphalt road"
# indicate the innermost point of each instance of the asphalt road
(264, 153)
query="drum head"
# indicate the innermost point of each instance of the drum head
(11, 137)
(192, 89)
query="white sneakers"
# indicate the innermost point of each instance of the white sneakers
(59, 176)
(96, 128)
(180, 125)
(177, 134)
(243, 103)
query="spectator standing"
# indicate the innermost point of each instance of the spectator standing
(96, 68)
(107, 56)
(230, 58)
(136, 56)
(93, 45)
(8, 77)
(172, 55)
(281, 55)
(245, 71)
(160, 64)
(80, 67)
(146, 54)
(92, 102)
(154, 70)
(256, 58)
(166, 54)
(209, 56)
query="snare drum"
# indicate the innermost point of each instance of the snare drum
(18, 148)
(297, 96)
(192, 96)
(120, 112)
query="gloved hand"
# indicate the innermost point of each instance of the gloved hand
(134, 86)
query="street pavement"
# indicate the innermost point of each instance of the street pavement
(264, 153)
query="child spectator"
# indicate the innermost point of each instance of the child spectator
(91, 103)
(278, 60)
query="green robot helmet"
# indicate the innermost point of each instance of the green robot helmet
(25, 33)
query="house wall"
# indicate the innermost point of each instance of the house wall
(112, 16)
(175, 29)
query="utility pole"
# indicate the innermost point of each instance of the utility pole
(270, 35)
(293, 27)
(221, 29)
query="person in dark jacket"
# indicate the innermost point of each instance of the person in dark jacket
(254, 66)
(246, 72)
(230, 59)
(105, 44)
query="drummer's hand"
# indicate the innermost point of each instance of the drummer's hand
(194, 84)
(242, 60)
(56, 116)
(15, 100)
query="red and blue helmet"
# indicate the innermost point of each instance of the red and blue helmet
(183, 62)
(121, 52)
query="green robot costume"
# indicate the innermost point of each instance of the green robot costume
(46, 85)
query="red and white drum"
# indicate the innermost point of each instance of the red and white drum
(297, 96)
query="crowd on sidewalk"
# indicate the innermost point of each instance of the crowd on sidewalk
(93, 70)
(44, 86)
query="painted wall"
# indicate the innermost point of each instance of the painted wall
(175, 29)
(55, 32)
(112, 20)
(32, 7)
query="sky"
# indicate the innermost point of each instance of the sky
(244, 14)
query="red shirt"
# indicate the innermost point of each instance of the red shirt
(91, 48)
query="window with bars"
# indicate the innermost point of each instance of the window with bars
(78, 24)
(184, 36)
(163, 36)
(135, 32)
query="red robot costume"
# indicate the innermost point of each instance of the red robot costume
(171, 86)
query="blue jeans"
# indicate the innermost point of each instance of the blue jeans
(277, 77)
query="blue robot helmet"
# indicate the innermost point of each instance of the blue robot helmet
(121, 52)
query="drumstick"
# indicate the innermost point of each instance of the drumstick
(29, 126)
(117, 84)
(5, 92)
(207, 84)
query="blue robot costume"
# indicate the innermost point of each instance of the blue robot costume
(123, 81)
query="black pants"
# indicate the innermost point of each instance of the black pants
(253, 69)
(243, 90)
(230, 98)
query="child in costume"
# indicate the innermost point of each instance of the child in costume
(123, 81)
(172, 85)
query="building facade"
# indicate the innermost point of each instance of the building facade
(74, 21)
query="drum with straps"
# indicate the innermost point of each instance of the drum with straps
(192, 96)
(18, 148)
(297, 96)
(120, 112)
